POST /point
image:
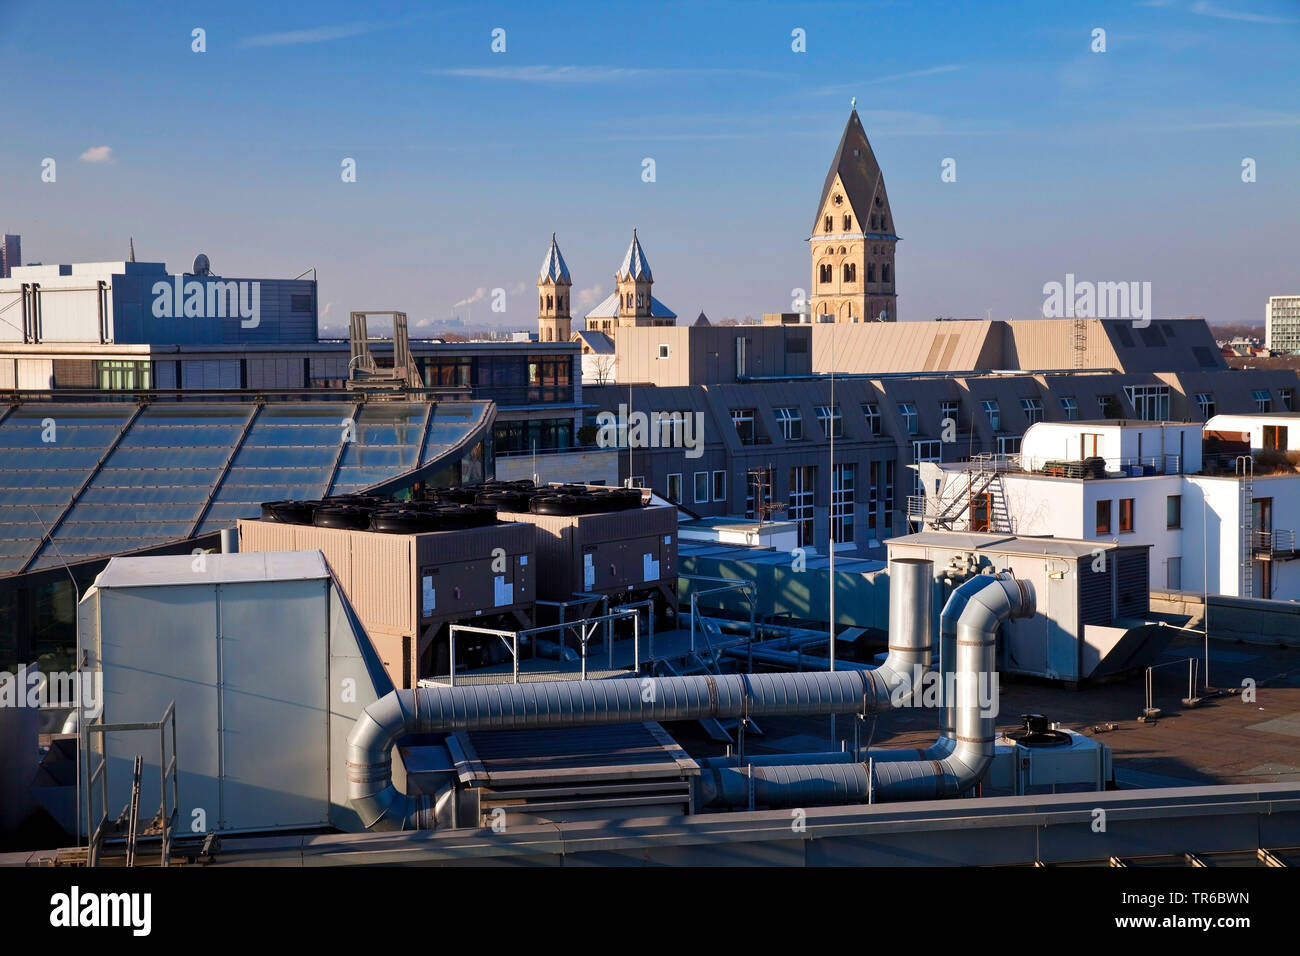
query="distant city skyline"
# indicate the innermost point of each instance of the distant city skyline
(1120, 166)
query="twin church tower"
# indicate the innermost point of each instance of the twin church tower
(852, 248)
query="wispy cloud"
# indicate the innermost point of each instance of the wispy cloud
(590, 296)
(890, 78)
(313, 34)
(584, 74)
(1189, 120)
(98, 154)
(1206, 8)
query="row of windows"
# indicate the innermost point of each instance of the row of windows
(1105, 507)
(546, 302)
(802, 493)
(526, 437)
(1149, 402)
(879, 222)
(702, 487)
(849, 272)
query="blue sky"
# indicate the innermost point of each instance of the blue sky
(1122, 165)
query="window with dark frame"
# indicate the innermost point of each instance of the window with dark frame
(1103, 516)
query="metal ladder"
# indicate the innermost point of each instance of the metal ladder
(1244, 468)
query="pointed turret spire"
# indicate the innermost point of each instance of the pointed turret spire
(553, 266)
(635, 265)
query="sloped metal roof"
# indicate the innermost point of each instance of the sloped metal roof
(85, 480)
(553, 266)
(635, 265)
(608, 309)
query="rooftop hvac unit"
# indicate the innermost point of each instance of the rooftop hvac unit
(1042, 758)
(251, 649)
(407, 588)
(615, 553)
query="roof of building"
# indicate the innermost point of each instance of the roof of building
(80, 481)
(553, 266)
(164, 570)
(608, 309)
(598, 342)
(856, 166)
(701, 320)
(635, 265)
(1007, 543)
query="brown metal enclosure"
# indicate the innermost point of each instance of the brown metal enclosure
(406, 588)
(609, 553)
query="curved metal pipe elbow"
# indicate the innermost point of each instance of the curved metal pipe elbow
(371, 792)
(953, 766)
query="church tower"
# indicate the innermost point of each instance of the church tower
(630, 303)
(553, 285)
(632, 282)
(853, 239)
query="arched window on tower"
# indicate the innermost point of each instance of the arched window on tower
(871, 272)
(548, 301)
(884, 272)
(848, 223)
(828, 223)
(850, 272)
(824, 273)
(541, 304)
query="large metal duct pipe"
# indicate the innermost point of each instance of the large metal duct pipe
(574, 704)
(947, 667)
(906, 774)
(587, 703)
(976, 702)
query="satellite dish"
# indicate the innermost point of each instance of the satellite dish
(202, 267)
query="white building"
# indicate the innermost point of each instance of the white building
(1282, 323)
(1263, 432)
(1213, 525)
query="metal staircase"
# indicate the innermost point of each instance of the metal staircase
(952, 510)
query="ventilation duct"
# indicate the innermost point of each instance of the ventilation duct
(588, 703)
(951, 766)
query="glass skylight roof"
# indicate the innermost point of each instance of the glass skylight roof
(79, 481)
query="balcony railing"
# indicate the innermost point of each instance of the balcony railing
(1134, 467)
(1273, 542)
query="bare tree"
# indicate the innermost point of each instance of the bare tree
(602, 368)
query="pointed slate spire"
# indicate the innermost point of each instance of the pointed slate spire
(635, 265)
(856, 166)
(553, 266)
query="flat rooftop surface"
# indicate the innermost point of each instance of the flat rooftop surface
(1226, 740)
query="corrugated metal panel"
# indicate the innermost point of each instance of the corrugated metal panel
(1133, 592)
(604, 552)
(1095, 590)
(405, 587)
(382, 585)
